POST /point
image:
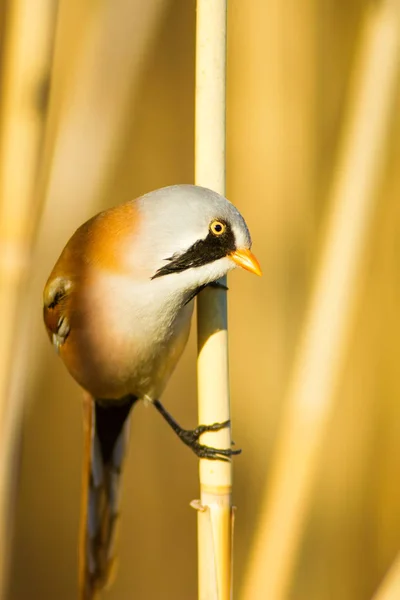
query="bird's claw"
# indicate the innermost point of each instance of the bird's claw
(210, 453)
(196, 433)
(190, 438)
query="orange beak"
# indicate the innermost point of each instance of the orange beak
(246, 259)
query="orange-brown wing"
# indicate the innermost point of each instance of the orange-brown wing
(99, 243)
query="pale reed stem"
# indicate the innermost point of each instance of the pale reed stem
(214, 508)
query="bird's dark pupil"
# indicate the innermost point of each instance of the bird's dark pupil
(218, 228)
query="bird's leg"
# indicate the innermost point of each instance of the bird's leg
(190, 437)
(218, 285)
(212, 284)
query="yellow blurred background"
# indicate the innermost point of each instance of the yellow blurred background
(120, 122)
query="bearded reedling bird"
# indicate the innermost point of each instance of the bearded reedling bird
(117, 308)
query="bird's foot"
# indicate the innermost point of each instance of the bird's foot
(190, 437)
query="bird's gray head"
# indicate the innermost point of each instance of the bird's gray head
(200, 235)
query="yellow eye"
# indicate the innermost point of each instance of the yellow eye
(217, 227)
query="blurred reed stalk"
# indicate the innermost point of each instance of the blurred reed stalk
(390, 587)
(333, 301)
(90, 127)
(28, 45)
(214, 507)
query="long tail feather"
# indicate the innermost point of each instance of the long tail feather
(106, 431)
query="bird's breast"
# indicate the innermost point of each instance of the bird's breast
(126, 337)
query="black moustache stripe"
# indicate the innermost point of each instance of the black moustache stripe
(203, 252)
